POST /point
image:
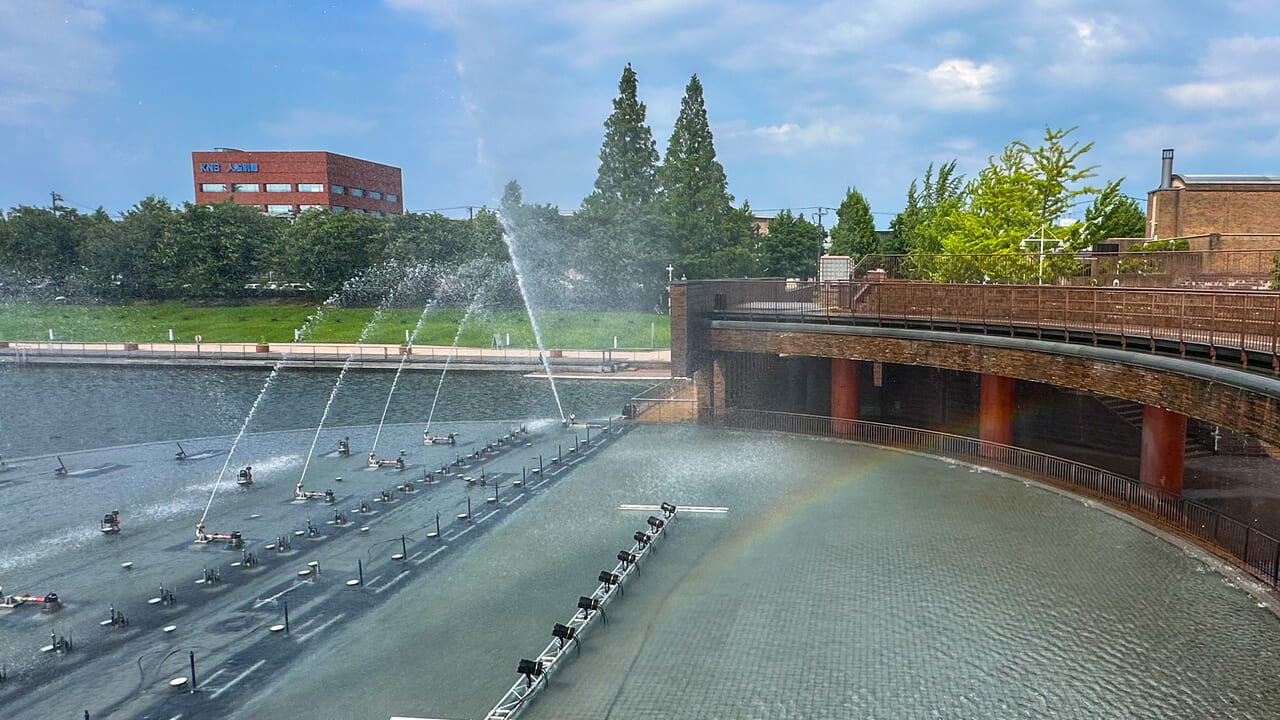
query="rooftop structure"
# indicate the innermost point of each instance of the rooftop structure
(1235, 205)
(287, 183)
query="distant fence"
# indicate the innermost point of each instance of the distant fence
(1254, 551)
(1243, 325)
(1205, 268)
(672, 401)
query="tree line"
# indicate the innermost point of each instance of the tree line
(647, 218)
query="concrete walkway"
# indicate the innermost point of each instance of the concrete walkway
(653, 361)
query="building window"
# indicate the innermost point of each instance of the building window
(279, 187)
(337, 189)
(279, 209)
(376, 213)
(357, 211)
(391, 198)
(304, 208)
(213, 187)
(357, 192)
(375, 194)
(337, 208)
(310, 187)
(244, 187)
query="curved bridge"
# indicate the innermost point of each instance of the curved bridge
(1179, 353)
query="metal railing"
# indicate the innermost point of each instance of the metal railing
(1243, 326)
(1254, 551)
(668, 402)
(1225, 269)
(318, 352)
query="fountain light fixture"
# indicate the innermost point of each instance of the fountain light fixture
(564, 632)
(626, 558)
(643, 538)
(609, 578)
(669, 509)
(588, 603)
(530, 669)
(655, 522)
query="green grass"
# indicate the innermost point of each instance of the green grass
(276, 323)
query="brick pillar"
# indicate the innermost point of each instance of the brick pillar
(844, 389)
(995, 409)
(1164, 442)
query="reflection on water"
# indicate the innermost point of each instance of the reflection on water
(46, 409)
(844, 582)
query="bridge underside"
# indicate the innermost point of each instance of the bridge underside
(1011, 391)
(1224, 397)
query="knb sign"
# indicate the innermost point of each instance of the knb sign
(231, 167)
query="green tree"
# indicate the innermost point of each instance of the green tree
(43, 242)
(214, 248)
(920, 226)
(628, 157)
(855, 231)
(791, 247)
(1019, 195)
(694, 191)
(622, 248)
(1112, 215)
(325, 248)
(120, 255)
(422, 238)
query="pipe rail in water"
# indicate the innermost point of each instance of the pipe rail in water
(534, 673)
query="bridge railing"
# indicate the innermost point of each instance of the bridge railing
(1256, 552)
(1206, 269)
(1237, 323)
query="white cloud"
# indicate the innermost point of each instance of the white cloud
(962, 84)
(51, 53)
(1237, 72)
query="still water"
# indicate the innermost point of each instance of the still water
(844, 581)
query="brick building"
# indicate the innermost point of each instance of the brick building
(286, 183)
(1227, 211)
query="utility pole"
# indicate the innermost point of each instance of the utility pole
(56, 198)
(820, 212)
(471, 212)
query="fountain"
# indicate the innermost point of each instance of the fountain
(508, 237)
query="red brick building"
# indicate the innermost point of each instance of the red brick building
(287, 183)
(1242, 211)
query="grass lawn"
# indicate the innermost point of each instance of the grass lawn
(275, 323)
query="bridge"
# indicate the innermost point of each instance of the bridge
(1206, 354)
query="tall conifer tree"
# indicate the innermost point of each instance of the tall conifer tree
(629, 155)
(694, 190)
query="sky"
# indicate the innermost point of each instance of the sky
(104, 100)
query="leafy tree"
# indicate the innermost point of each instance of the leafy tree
(694, 191)
(214, 248)
(1112, 215)
(791, 247)
(920, 226)
(420, 238)
(1019, 195)
(325, 248)
(120, 256)
(42, 242)
(855, 231)
(627, 176)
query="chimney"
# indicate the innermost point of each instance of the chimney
(1166, 169)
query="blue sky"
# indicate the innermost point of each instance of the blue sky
(103, 100)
